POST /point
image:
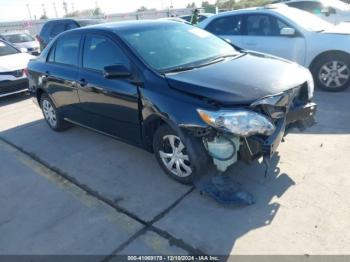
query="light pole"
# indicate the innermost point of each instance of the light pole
(30, 14)
(55, 9)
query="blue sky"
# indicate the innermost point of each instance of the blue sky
(17, 9)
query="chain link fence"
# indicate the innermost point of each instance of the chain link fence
(34, 26)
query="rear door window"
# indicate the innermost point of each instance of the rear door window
(67, 50)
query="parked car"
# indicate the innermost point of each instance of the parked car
(22, 40)
(56, 26)
(13, 64)
(333, 11)
(201, 17)
(176, 19)
(292, 34)
(188, 99)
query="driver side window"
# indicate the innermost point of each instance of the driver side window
(99, 52)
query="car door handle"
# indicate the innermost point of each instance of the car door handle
(83, 85)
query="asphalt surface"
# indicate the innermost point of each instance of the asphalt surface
(78, 192)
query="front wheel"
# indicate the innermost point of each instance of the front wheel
(171, 154)
(332, 72)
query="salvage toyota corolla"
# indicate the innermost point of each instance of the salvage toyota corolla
(193, 99)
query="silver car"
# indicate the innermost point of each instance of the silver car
(22, 41)
(13, 64)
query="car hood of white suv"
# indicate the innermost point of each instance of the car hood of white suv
(14, 62)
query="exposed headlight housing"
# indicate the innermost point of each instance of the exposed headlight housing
(239, 122)
(310, 86)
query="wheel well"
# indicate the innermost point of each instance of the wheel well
(39, 93)
(327, 53)
(148, 130)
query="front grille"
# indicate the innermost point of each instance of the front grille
(15, 73)
(7, 87)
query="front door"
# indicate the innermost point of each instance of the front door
(108, 105)
(261, 32)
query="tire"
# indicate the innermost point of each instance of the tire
(331, 72)
(52, 116)
(176, 164)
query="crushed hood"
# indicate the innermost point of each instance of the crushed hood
(240, 80)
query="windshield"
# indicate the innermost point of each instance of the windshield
(336, 4)
(172, 45)
(6, 49)
(18, 38)
(306, 20)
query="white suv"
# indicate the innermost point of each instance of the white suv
(292, 34)
(333, 11)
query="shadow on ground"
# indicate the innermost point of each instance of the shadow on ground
(131, 178)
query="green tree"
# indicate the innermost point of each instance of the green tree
(208, 8)
(97, 11)
(193, 5)
(232, 4)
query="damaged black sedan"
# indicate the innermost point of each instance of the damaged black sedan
(189, 97)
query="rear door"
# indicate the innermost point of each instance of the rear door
(109, 105)
(261, 32)
(61, 73)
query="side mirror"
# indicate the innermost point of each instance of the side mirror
(116, 71)
(325, 11)
(287, 31)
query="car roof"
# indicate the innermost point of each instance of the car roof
(124, 25)
(267, 8)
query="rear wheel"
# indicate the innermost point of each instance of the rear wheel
(171, 154)
(332, 72)
(52, 116)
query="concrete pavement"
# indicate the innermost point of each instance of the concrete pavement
(303, 208)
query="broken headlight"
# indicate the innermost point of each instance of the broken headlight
(239, 122)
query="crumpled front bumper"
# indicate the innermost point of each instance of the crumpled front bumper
(300, 117)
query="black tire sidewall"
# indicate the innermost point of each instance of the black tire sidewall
(162, 131)
(60, 125)
(315, 70)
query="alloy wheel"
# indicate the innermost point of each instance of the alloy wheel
(49, 113)
(174, 156)
(334, 74)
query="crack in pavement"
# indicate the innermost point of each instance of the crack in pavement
(148, 225)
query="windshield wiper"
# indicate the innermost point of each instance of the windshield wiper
(180, 69)
(207, 62)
